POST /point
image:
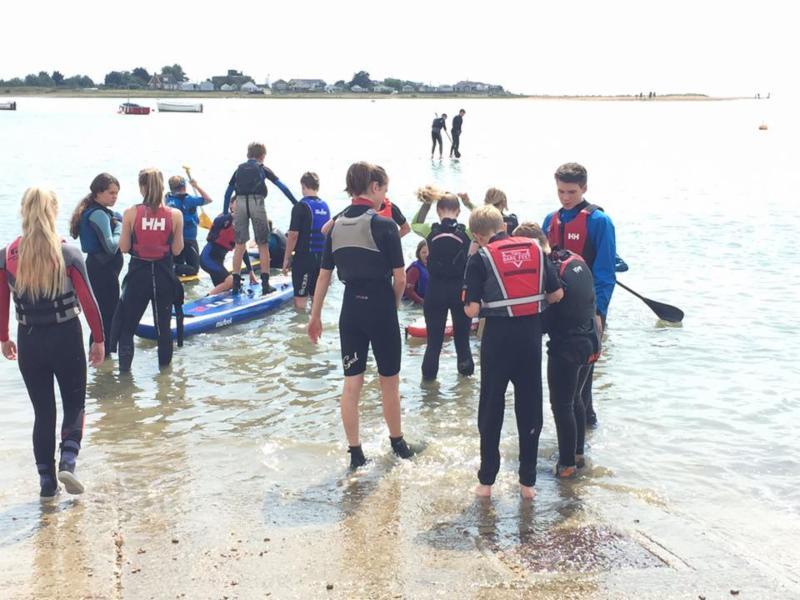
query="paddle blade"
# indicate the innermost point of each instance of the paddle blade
(665, 312)
(205, 220)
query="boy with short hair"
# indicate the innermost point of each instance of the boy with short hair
(509, 282)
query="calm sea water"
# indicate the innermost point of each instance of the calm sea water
(697, 420)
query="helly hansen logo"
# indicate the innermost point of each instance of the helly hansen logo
(516, 257)
(154, 224)
(573, 236)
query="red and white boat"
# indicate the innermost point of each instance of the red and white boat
(129, 108)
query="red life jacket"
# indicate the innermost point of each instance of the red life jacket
(222, 233)
(515, 274)
(386, 209)
(573, 236)
(152, 233)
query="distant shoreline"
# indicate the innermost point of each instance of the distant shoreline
(157, 94)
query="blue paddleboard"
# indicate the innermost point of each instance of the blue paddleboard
(213, 312)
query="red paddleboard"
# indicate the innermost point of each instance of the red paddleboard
(418, 329)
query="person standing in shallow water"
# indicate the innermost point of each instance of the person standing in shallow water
(365, 250)
(455, 130)
(508, 281)
(438, 124)
(99, 228)
(50, 286)
(152, 233)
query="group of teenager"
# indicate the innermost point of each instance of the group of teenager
(439, 124)
(520, 280)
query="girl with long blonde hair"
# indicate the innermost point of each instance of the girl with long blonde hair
(153, 234)
(49, 285)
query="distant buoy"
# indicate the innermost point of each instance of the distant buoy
(763, 127)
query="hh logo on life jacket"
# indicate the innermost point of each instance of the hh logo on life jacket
(573, 236)
(154, 224)
(516, 257)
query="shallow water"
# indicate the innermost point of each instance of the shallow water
(242, 433)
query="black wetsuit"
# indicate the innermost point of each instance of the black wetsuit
(573, 342)
(448, 246)
(455, 130)
(365, 249)
(436, 133)
(511, 351)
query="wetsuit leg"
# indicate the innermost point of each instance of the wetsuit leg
(383, 329)
(527, 380)
(104, 278)
(562, 380)
(164, 297)
(135, 298)
(45, 353)
(454, 146)
(435, 310)
(188, 262)
(496, 356)
(580, 411)
(212, 264)
(353, 338)
(461, 328)
(586, 398)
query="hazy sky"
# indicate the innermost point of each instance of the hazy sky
(574, 47)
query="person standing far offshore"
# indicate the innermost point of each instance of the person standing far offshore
(249, 183)
(438, 124)
(455, 129)
(365, 250)
(586, 230)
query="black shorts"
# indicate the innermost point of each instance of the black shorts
(369, 316)
(305, 271)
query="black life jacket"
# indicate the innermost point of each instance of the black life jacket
(448, 250)
(249, 180)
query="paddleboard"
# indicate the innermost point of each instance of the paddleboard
(418, 329)
(189, 278)
(214, 312)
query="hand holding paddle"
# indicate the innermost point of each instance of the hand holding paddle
(665, 312)
(205, 220)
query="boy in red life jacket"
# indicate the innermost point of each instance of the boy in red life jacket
(509, 282)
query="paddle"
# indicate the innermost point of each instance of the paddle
(205, 220)
(664, 312)
(445, 131)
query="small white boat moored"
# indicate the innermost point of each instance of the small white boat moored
(191, 107)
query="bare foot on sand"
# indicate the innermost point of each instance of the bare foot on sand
(484, 491)
(528, 492)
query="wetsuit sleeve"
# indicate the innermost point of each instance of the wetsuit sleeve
(327, 254)
(270, 174)
(418, 224)
(474, 277)
(551, 280)
(299, 214)
(546, 222)
(412, 278)
(388, 241)
(76, 271)
(5, 303)
(101, 224)
(397, 216)
(228, 193)
(603, 238)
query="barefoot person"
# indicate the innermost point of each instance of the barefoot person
(508, 281)
(152, 233)
(306, 240)
(50, 286)
(99, 228)
(365, 250)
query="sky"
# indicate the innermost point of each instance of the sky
(733, 48)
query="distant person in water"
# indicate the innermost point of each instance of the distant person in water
(455, 130)
(438, 124)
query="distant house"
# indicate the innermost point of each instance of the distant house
(234, 77)
(496, 89)
(379, 88)
(162, 82)
(227, 87)
(427, 88)
(306, 85)
(188, 87)
(357, 89)
(471, 87)
(334, 89)
(408, 88)
(250, 88)
(206, 86)
(280, 86)
(445, 89)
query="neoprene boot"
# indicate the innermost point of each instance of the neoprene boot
(402, 449)
(66, 467)
(48, 486)
(266, 288)
(237, 284)
(357, 458)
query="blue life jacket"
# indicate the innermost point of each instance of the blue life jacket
(320, 214)
(90, 243)
(422, 282)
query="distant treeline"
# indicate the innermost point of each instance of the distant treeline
(134, 79)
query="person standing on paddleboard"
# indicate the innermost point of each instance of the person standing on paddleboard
(586, 230)
(187, 263)
(365, 250)
(249, 183)
(152, 233)
(220, 241)
(306, 241)
(449, 246)
(50, 286)
(99, 228)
